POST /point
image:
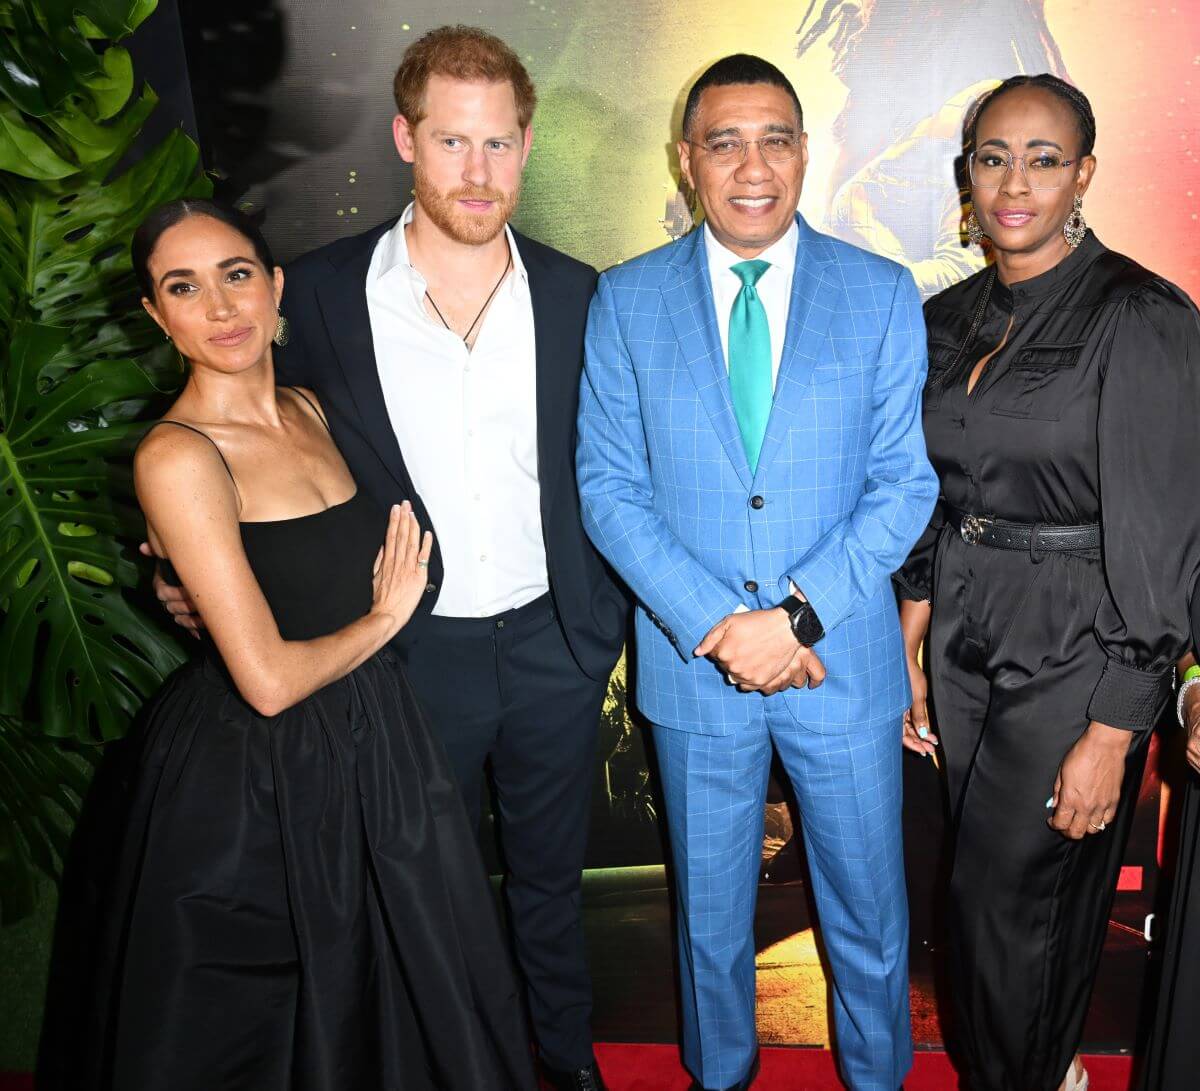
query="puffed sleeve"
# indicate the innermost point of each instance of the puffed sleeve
(914, 578)
(1149, 439)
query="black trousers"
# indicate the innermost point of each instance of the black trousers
(1013, 663)
(506, 689)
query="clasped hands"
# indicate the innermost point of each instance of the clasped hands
(757, 652)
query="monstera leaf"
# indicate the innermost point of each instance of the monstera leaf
(63, 93)
(64, 254)
(74, 655)
(40, 790)
(81, 370)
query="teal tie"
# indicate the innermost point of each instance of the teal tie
(750, 384)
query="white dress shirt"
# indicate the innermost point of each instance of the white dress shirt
(467, 424)
(774, 288)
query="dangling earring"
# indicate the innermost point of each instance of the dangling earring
(283, 332)
(1076, 226)
(182, 359)
(975, 229)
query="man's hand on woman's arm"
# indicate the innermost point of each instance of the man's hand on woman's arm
(174, 598)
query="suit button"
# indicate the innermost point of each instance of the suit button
(430, 587)
(751, 586)
(756, 502)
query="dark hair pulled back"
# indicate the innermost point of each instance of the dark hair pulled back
(1066, 92)
(164, 217)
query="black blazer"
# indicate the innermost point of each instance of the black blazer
(331, 351)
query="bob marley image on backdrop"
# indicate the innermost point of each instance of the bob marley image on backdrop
(885, 86)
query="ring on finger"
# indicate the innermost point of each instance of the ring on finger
(1102, 827)
(422, 564)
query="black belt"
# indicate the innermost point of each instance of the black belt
(1033, 538)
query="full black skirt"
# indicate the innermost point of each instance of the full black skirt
(1173, 1059)
(300, 905)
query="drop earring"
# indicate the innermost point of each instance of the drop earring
(283, 332)
(1075, 229)
(975, 230)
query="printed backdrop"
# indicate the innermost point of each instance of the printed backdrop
(294, 109)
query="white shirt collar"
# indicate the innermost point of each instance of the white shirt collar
(781, 253)
(393, 249)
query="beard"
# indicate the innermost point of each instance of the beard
(464, 227)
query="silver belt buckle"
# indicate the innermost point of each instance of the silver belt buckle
(971, 529)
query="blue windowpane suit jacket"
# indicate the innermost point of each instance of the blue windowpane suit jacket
(842, 490)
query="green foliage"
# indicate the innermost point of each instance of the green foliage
(40, 786)
(81, 368)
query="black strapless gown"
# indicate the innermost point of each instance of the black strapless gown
(301, 904)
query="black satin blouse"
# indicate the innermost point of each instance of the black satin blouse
(1089, 414)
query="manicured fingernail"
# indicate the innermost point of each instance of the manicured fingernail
(923, 732)
(1050, 802)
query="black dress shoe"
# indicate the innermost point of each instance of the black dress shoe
(578, 1079)
(743, 1085)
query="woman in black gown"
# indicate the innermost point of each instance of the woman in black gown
(1053, 579)
(1173, 1057)
(300, 904)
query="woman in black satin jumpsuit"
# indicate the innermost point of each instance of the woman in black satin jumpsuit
(1053, 579)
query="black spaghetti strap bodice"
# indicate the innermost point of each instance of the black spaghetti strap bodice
(315, 570)
(300, 904)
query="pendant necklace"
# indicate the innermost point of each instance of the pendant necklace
(491, 295)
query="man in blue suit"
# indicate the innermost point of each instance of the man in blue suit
(751, 462)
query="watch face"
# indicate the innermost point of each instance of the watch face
(806, 626)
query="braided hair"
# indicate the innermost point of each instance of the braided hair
(1071, 95)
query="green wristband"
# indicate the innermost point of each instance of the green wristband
(1192, 672)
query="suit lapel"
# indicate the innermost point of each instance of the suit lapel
(815, 297)
(554, 376)
(343, 302)
(687, 296)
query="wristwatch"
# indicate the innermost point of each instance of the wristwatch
(806, 626)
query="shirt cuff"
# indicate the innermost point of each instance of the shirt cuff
(1129, 698)
(909, 591)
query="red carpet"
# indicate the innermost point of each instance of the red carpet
(657, 1068)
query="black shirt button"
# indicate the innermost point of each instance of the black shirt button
(751, 586)
(430, 587)
(756, 502)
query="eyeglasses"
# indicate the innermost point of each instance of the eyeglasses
(1042, 170)
(775, 148)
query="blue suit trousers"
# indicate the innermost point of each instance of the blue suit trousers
(848, 787)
